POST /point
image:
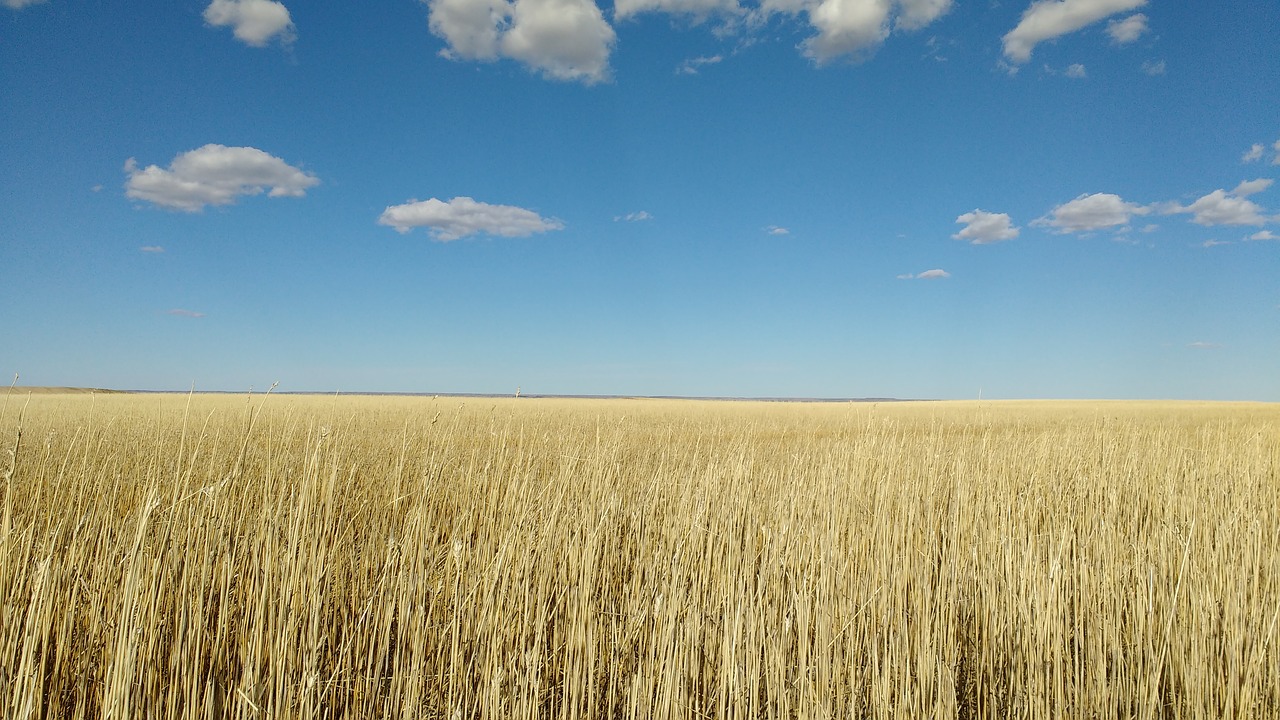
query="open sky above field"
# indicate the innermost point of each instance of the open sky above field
(818, 198)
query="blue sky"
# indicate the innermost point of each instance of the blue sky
(808, 198)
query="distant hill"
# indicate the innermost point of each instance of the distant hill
(21, 390)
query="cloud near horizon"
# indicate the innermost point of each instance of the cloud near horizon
(215, 175)
(1050, 19)
(253, 22)
(462, 217)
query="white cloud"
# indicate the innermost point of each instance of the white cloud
(1276, 159)
(19, 4)
(983, 227)
(1253, 154)
(633, 217)
(1252, 187)
(1049, 19)
(915, 14)
(1091, 212)
(254, 22)
(935, 274)
(698, 8)
(1215, 243)
(777, 230)
(1221, 207)
(462, 216)
(215, 175)
(693, 65)
(563, 39)
(854, 28)
(1076, 71)
(151, 249)
(1264, 235)
(1125, 31)
(1153, 67)
(1150, 228)
(184, 313)
(1202, 345)
(846, 27)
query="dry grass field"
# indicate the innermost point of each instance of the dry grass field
(217, 556)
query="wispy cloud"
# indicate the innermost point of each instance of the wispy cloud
(1215, 243)
(1125, 31)
(151, 249)
(1264, 235)
(1202, 345)
(462, 217)
(19, 4)
(179, 312)
(215, 175)
(935, 274)
(777, 230)
(640, 216)
(693, 65)
(1154, 67)
(1076, 71)
(1257, 150)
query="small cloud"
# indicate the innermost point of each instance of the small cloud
(215, 175)
(462, 217)
(1075, 71)
(155, 249)
(984, 227)
(1264, 235)
(1222, 207)
(1252, 187)
(693, 65)
(935, 274)
(633, 217)
(776, 230)
(179, 312)
(1253, 154)
(1098, 211)
(1150, 228)
(253, 22)
(1049, 19)
(561, 39)
(1215, 243)
(1154, 67)
(19, 4)
(1125, 31)
(96, 188)
(1202, 345)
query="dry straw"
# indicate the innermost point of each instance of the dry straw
(290, 557)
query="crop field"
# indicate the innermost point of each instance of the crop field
(234, 556)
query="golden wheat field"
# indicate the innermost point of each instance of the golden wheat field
(219, 556)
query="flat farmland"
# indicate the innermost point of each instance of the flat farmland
(233, 556)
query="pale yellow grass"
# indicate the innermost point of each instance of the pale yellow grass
(348, 557)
